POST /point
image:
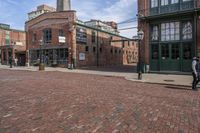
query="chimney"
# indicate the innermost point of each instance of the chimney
(63, 5)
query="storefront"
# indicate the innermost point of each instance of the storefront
(50, 56)
(172, 45)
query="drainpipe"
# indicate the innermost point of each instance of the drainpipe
(195, 33)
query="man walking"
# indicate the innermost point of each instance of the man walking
(195, 72)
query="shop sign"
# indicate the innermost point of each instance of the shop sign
(62, 39)
(81, 56)
(19, 43)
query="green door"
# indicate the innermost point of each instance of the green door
(187, 57)
(170, 57)
(175, 63)
(154, 66)
(165, 57)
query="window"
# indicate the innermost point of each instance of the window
(174, 1)
(111, 51)
(60, 32)
(175, 51)
(94, 49)
(187, 31)
(164, 2)
(165, 51)
(93, 37)
(7, 38)
(170, 31)
(100, 49)
(81, 35)
(115, 51)
(187, 51)
(154, 3)
(34, 37)
(86, 48)
(154, 36)
(155, 53)
(47, 35)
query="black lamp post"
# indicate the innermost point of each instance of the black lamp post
(41, 64)
(140, 38)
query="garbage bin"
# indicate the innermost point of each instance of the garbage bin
(41, 67)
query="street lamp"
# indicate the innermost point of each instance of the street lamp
(72, 51)
(41, 64)
(140, 38)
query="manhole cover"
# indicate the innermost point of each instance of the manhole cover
(169, 80)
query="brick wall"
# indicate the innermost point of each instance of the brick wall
(115, 53)
(143, 7)
(65, 20)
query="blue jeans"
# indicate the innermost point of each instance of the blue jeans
(195, 81)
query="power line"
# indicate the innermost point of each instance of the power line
(128, 28)
(128, 20)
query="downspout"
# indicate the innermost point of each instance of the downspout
(195, 29)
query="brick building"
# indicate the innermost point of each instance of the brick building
(66, 41)
(12, 44)
(172, 34)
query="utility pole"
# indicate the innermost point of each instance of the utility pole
(98, 44)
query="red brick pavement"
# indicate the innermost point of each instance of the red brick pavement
(55, 102)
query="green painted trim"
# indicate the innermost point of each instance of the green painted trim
(170, 14)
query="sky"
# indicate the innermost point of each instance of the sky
(14, 12)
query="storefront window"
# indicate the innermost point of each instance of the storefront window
(175, 52)
(170, 31)
(187, 31)
(187, 51)
(154, 33)
(165, 51)
(155, 52)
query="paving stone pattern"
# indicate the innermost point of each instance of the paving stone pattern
(56, 102)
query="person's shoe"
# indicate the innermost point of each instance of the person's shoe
(194, 89)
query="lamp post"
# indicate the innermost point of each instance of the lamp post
(41, 64)
(140, 38)
(72, 48)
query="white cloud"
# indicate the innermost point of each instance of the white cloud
(117, 11)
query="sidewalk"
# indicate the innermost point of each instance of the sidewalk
(167, 79)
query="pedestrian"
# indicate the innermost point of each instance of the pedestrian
(195, 72)
(10, 61)
(16, 61)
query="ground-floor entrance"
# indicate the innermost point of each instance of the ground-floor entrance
(51, 57)
(171, 57)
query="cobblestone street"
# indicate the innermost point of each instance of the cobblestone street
(56, 102)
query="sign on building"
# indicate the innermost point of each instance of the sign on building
(81, 56)
(62, 39)
(4, 26)
(19, 43)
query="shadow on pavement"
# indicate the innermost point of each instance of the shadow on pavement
(177, 87)
(131, 68)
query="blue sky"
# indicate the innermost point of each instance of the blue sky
(14, 12)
